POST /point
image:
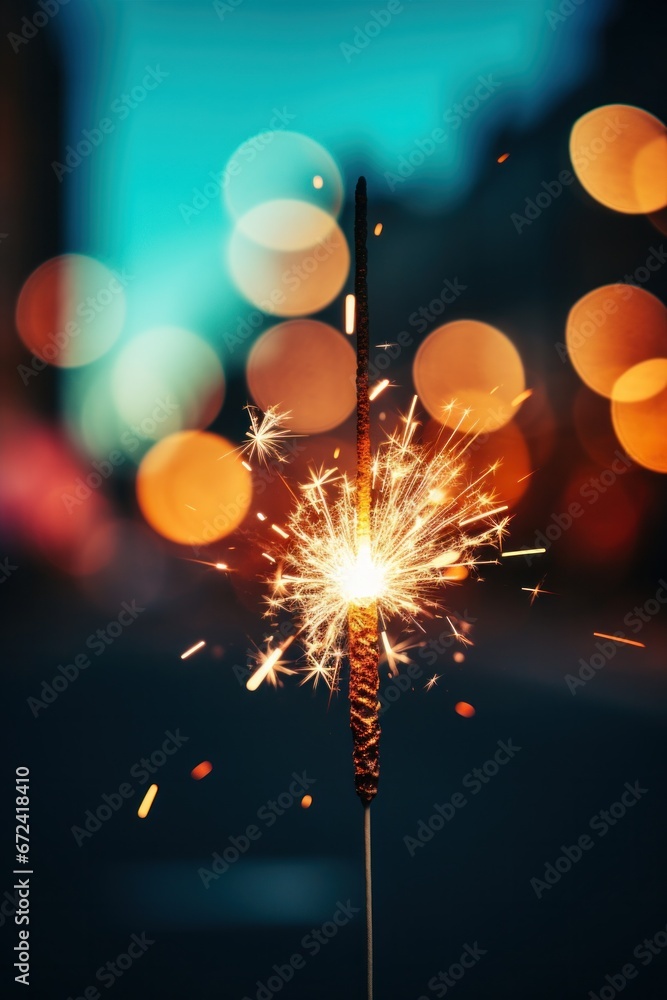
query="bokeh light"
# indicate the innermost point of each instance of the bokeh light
(464, 709)
(619, 154)
(641, 422)
(475, 365)
(286, 224)
(307, 368)
(281, 164)
(612, 329)
(284, 279)
(165, 380)
(192, 488)
(71, 310)
(50, 502)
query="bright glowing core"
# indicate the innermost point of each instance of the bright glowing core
(361, 579)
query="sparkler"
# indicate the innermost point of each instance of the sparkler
(378, 549)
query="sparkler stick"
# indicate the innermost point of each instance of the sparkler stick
(363, 652)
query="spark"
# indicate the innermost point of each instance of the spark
(464, 709)
(193, 649)
(147, 802)
(260, 516)
(394, 654)
(267, 435)
(387, 345)
(222, 566)
(537, 590)
(479, 517)
(336, 452)
(425, 514)
(378, 229)
(432, 681)
(350, 309)
(378, 388)
(503, 157)
(267, 556)
(522, 397)
(523, 552)
(616, 638)
(279, 531)
(269, 665)
(201, 770)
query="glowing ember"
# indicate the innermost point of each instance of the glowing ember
(503, 157)
(349, 313)
(147, 802)
(378, 228)
(201, 770)
(378, 388)
(523, 552)
(616, 638)
(464, 709)
(193, 649)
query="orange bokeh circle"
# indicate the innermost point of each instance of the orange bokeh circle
(612, 329)
(192, 487)
(619, 154)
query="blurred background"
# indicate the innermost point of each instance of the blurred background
(177, 183)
